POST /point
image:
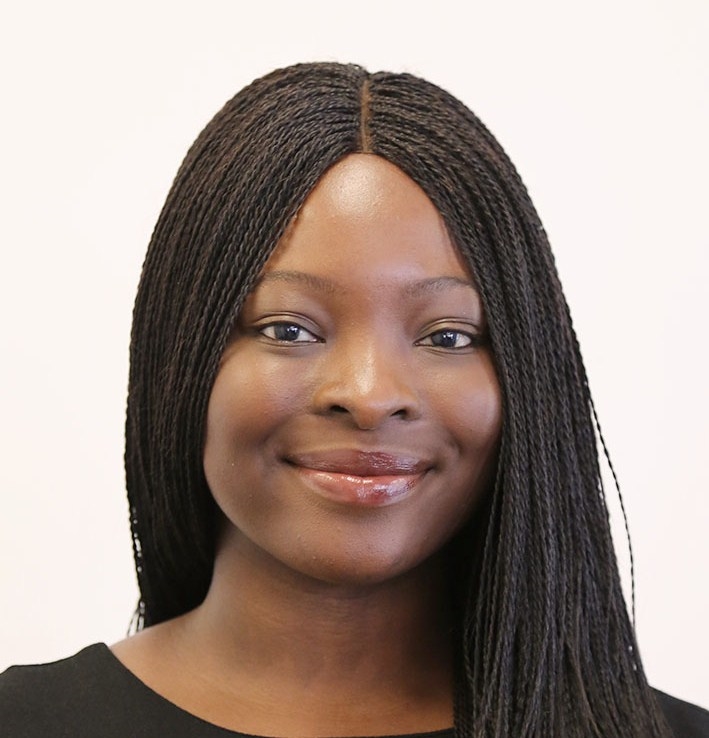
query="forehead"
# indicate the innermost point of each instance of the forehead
(366, 218)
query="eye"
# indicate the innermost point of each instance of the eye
(450, 339)
(285, 332)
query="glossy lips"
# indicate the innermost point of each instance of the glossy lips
(368, 479)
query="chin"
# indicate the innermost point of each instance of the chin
(364, 568)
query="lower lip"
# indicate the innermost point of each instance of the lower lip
(350, 489)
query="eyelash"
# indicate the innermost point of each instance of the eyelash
(471, 340)
(285, 324)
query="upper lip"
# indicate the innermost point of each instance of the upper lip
(360, 463)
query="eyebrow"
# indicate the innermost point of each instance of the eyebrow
(309, 280)
(438, 284)
(321, 284)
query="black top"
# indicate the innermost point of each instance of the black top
(92, 695)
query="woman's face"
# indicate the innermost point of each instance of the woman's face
(354, 421)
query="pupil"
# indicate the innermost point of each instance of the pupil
(445, 339)
(287, 332)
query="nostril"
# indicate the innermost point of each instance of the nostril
(342, 410)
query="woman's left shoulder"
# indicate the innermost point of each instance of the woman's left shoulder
(685, 719)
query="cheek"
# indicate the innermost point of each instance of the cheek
(471, 414)
(249, 398)
(243, 405)
(474, 413)
(248, 401)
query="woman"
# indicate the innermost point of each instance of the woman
(361, 461)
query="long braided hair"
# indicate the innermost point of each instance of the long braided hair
(545, 643)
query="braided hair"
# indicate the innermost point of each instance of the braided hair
(546, 647)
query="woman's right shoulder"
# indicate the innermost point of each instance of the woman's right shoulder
(90, 695)
(42, 699)
(81, 695)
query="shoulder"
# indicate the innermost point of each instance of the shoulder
(44, 699)
(685, 719)
(88, 694)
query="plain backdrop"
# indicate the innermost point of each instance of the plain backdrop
(603, 107)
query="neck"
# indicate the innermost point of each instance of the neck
(258, 609)
(387, 645)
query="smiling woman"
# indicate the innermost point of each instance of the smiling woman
(338, 391)
(361, 460)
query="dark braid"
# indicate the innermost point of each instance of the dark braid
(546, 645)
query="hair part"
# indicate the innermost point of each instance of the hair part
(546, 646)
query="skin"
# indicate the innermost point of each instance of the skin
(362, 347)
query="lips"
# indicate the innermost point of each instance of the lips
(363, 478)
(360, 463)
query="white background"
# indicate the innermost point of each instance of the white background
(604, 108)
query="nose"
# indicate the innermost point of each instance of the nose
(367, 385)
